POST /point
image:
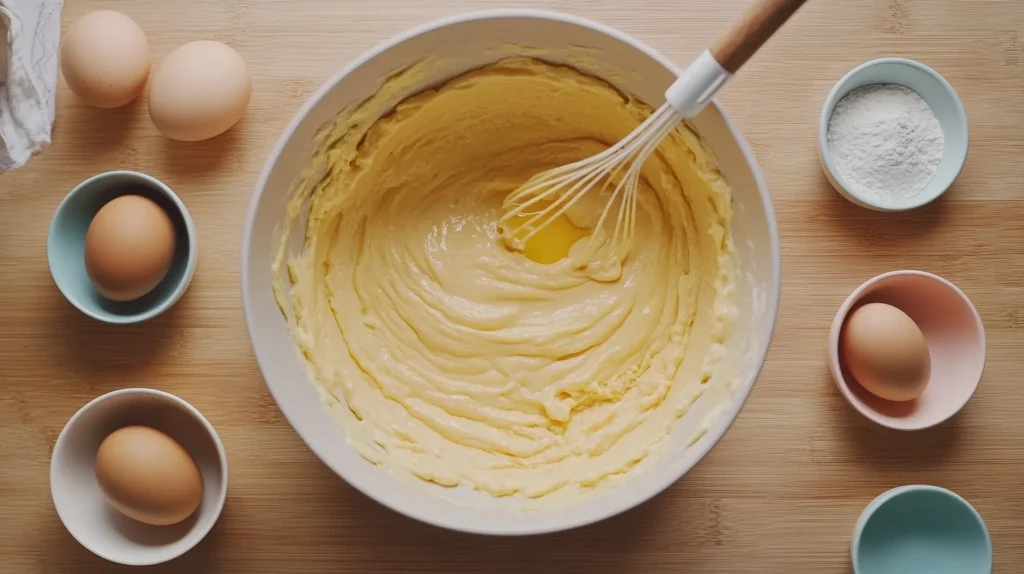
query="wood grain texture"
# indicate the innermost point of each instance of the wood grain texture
(782, 490)
(762, 19)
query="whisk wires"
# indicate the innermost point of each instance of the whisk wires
(552, 193)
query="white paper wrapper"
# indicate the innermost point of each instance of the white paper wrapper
(28, 77)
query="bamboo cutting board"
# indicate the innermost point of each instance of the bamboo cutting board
(779, 494)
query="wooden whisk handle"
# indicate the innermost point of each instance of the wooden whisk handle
(750, 32)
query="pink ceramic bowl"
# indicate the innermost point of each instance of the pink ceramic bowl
(956, 341)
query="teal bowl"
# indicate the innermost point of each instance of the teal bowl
(919, 529)
(65, 247)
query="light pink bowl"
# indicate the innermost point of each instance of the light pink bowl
(956, 341)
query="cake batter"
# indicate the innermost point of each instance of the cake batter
(466, 363)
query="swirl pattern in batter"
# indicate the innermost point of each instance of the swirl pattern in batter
(463, 362)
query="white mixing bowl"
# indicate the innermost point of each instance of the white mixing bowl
(465, 42)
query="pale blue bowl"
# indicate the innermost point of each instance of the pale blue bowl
(919, 529)
(943, 100)
(65, 247)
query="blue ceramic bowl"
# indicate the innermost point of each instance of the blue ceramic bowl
(65, 247)
(945, 104)
(920, 529)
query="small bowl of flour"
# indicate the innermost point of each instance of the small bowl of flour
(893, 135)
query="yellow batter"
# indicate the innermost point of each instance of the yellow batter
(466, 363)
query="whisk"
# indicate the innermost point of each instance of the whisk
(553, 192)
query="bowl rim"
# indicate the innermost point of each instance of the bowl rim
(888, 496)
(840, 319)
(839, 91)
(178, 402)
(572, 517)
(190, 231)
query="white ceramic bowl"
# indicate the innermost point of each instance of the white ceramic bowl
(463, 43)
(80, 503)
(939, 95)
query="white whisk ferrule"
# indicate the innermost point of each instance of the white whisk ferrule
(697, 85)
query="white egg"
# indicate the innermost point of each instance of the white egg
(200, 91)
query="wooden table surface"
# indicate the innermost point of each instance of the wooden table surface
(779, 494)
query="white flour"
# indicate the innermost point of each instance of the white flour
(885, 142)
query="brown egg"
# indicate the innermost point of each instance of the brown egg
(148, 476)
(129, 247)
(104, 57)
(200, 91)
(885, 351)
